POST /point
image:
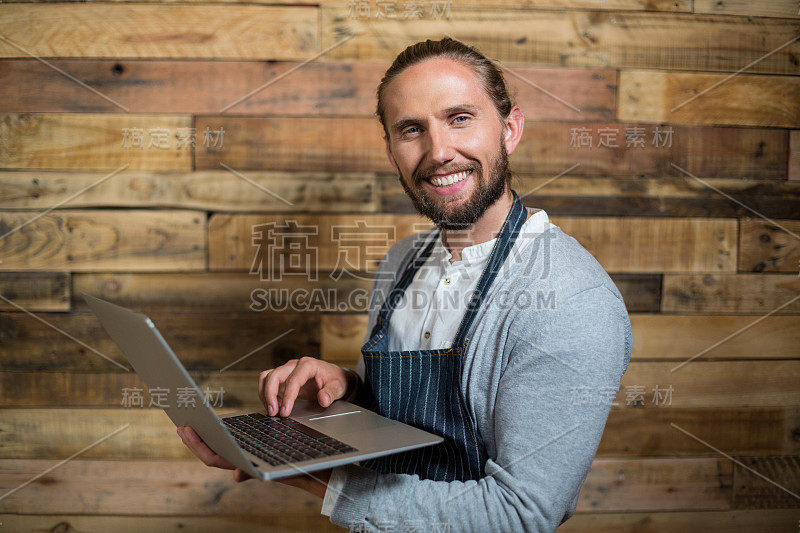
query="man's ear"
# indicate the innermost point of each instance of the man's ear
(389, 155)
(514, 124)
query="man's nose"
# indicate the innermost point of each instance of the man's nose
(440, 145)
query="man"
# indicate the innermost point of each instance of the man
(481, 330)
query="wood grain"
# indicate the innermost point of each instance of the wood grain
(148, 488)
(751, 430)
(765, 8)
(580, 38)
(731, 293)
(105, 487)
(657, 484)
(278, 523)
(207, 341)
(212, 190)
(794, 155)
(77, 240)
(783, 521)
(54, 433)
(769, 246)
(34, 291)
(728, 384)
(630, 245)
(285, 88)
(678, 337)
(751, 491)
(158, 31)
(629, 5)
(311, 144)
(288, 245)
(223, 292)
(93, 142)
(702, 383)
(699, 98)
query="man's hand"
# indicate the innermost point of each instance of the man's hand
(315, 483)
(193, 441)
(307, 378)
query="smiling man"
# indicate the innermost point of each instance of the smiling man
(489, 330)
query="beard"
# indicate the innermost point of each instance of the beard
(484, 195)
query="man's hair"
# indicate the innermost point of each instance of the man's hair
(490, 74)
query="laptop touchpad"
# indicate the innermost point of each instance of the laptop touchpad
(349, 422)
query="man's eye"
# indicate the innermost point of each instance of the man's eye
(461, 119)
(411, 131)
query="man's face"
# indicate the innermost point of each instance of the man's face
(446, 142)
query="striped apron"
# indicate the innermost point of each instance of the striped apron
(423, 387)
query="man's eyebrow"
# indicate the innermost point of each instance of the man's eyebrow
(454, 110)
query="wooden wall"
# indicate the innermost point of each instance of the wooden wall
(664, 135)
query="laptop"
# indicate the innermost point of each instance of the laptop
(310, 439)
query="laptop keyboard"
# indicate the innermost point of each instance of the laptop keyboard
(280, 441)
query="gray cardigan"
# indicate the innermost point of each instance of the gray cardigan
(543, 365)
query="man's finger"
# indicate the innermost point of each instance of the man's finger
(269, 385)
(193, 441)
(305, 370)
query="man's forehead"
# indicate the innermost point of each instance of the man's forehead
(435, 84)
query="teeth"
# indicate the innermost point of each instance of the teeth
(444, 181)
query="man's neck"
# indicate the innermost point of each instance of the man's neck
(485, 229)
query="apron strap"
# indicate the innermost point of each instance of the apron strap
(502, 248)
(415, 262)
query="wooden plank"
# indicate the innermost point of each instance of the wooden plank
(342, 337)
(649, 432)
(764, 8)
(628, 245)
(150, 488)
(731, 293)
(212, 190)
(679, 196)
(93, 142)
(194, 87)
(224, 292)
(310, 144)
(645, 385)
(580, 38)
(275, 246)
(580, 94)
(84, 486)
(34, 291)
(750, 491)
(232, 389)
(158, 31)
(741, 521)
(699, 98)
(547, 148)
(678, 337)
(318, 88)
(657, 484)
(702, 383)
(782, 521)
(771, 246)
(794, 155)
(103, 240)
(309, 520)
(613, 5)
(55, 433)
(202, 340)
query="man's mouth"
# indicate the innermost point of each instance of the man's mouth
(449, 179)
